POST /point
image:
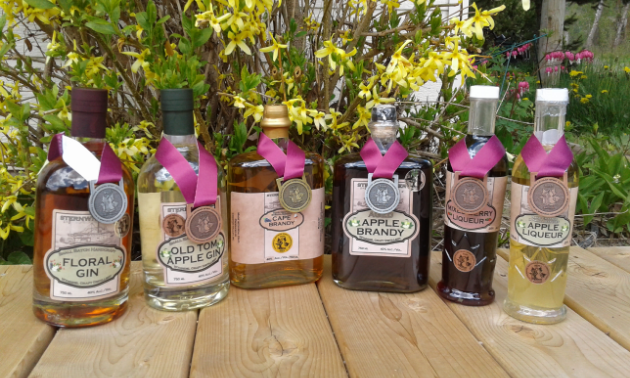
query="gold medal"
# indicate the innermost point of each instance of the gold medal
(548, 196)
(469, 194)
(295, 195)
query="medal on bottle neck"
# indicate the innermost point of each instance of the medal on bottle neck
(470, 190)
(294, 191)
(548, 194)
(382, 195)
(107, 202)
(203, 221)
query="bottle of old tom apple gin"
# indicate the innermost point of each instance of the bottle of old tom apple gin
(83, 218)
(182, 207)
(276, 209)
(543, 194)
(381, 213)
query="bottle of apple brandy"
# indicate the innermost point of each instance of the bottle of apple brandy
(544, 193)
(381, 213)
(277, 210)
(184, 237)
(476, 180)
(83, 218)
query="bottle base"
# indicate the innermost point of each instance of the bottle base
(380, 286)
(535, 315)
(173, 299)
(463, 297)
(75, 315)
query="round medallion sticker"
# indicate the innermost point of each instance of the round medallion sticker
(295, 195)
(107, 203)
(415, 180)
(464, 260)
(470, 195)
(123, 226)
(174, 225)
(282, 242)
(548, 197)
(203, 225)
(382, 196)
(537, 272)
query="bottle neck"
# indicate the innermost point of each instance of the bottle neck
(482, 117)
(384, 135)
(94, 145)
(549, 122)
(181, 140)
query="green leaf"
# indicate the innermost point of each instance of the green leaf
(101, 26)
(3, 22)
(41, 4)
(300, 34)
(163, 19)
(19, 257)
(203, 37)
(65, 4)
(56, 124)
(28, 238)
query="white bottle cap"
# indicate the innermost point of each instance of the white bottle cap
(552, 95)
(486, 92)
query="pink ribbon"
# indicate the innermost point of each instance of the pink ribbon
(111, 167)
(553, 164)
(288, 166)
(199, 191)
(479, 166)
(383, 166)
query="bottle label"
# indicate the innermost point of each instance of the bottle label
(532, 229)
(263, 232)
(183, 260)
(485, 220)
(86, 258)
(373, 234)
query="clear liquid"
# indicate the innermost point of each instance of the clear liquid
(151, 194)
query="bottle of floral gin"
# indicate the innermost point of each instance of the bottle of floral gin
(544, 193)
(476, 180)
(276, 209)
(182, 206)
(83, 217)
(381, 213)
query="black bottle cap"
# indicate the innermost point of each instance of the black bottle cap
(89, 112)
(177, 111)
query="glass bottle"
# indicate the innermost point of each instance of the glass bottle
(203, 278)
(80, 266)
(470, 240)
(258, 222)
(395, 263)
(537, 274)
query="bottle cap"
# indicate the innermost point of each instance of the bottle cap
(177, 111)
(552, 95)
(89, 112)
(276, 122)
(484, 92)
(384, 113)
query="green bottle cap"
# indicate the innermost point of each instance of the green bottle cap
(177, 111)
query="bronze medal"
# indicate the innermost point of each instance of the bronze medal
(382, 195)
(294, 195)
(174, 225)
(548, 196)
(202, 224)
(537, 272)
(464, 260)
(107, 202)
(469, 194)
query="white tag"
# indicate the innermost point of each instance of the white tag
(79, 158)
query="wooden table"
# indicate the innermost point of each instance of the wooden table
(320, 330)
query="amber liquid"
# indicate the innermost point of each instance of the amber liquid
(71, 313)
(379, 273)
(251, 173)
(472, 288)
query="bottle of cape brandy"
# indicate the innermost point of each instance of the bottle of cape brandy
(84, 215)
(476, 181)
(276, 210)
(381, 213)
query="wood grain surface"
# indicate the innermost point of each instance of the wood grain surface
(573, 348)
(402, 335)
(142, 343)
(23, 338)
(619, 256)
(278, 332)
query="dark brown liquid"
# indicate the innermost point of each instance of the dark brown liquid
(472, 288)
(378, 273)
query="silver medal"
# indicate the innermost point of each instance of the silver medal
(107, 202)
(382, 195)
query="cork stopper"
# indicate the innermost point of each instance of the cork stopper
(89, 112)
(276, 122)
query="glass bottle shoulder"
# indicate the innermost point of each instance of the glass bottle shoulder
(355, 161)
(521, 174)
(58, 177)
(474, 143)
(253, 160)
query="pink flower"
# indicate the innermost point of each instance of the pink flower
(555, 69)
(548, 70)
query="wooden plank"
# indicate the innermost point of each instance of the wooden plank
(142, 343)
(572, 348)
(619, 256)
(279, 332)
(402, 335)
(599, 291)
(23, 338)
